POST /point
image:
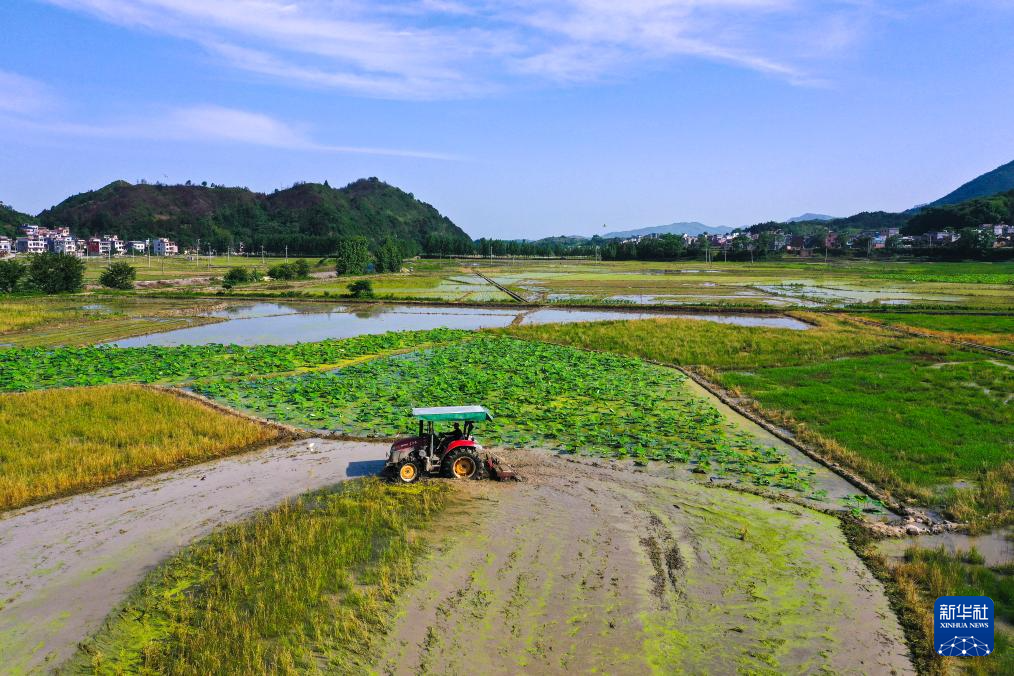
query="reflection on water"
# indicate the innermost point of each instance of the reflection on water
(997, 548)
(280, 323)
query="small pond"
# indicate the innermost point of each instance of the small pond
(282, 323)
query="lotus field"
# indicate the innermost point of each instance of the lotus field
(541, 395)
(38, 368)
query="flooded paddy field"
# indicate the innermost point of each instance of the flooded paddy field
(282, 323)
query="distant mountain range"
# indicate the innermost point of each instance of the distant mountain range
(692, 228)
(810, 217)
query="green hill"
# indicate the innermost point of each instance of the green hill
(309, 218)
(968, 214)
(999, 180)
(10, 220)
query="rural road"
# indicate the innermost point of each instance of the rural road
(65, 564)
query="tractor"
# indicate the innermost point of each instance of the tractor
(453, 454)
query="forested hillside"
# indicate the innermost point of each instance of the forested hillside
(309, 218)
(10, 219)
(968, 214)
(992, 182)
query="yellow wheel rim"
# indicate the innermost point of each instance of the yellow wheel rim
(407, 472)
(463, 468)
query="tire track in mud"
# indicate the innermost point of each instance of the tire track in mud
(587, 566)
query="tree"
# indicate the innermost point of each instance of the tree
(361, 288)
(975, 241)
(352, 256)
(119, 275)
(56, 273)
(389, 257)
(11, 273)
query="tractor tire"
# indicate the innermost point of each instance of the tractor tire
(407, 472)
(464, 463)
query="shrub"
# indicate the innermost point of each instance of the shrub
(362, 288)
(11, 273)
(56, 273)
(282, 271)
(301, 268)
(235, 276)
(119, 275)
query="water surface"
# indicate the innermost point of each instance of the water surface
(281, 323)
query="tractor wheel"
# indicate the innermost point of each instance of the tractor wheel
(464, 463)
(407, 472)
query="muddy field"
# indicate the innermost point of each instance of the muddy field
(590, 566)
(65, 564)
(585, 565)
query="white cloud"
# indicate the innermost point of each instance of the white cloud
(212, 124)
(22, 95)
(447, 48)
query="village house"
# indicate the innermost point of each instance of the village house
(6, 249)
(30, 244)
(164, 247)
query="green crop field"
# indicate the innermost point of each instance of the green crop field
(34, 368)
(925, 421)
(993, 330)
(541, 395)
(183, 267)
(689, 342)
(96, 436)
(304, 587)
(914, 415)
(765, 285)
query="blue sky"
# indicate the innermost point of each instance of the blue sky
(516, 118)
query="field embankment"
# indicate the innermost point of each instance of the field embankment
(66, 564)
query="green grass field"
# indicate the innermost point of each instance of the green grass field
(925, 421)
(916, 416)
(993, 330)
(303, 588)
(63, 441)
(182, 267)
(688, 342)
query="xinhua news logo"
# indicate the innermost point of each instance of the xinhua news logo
(963, 626)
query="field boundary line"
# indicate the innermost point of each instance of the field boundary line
(516, 296)
(785, 435)
(919, 334)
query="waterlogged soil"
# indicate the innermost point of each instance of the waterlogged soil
(595, 566)
(65, 564)
(996, 547)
